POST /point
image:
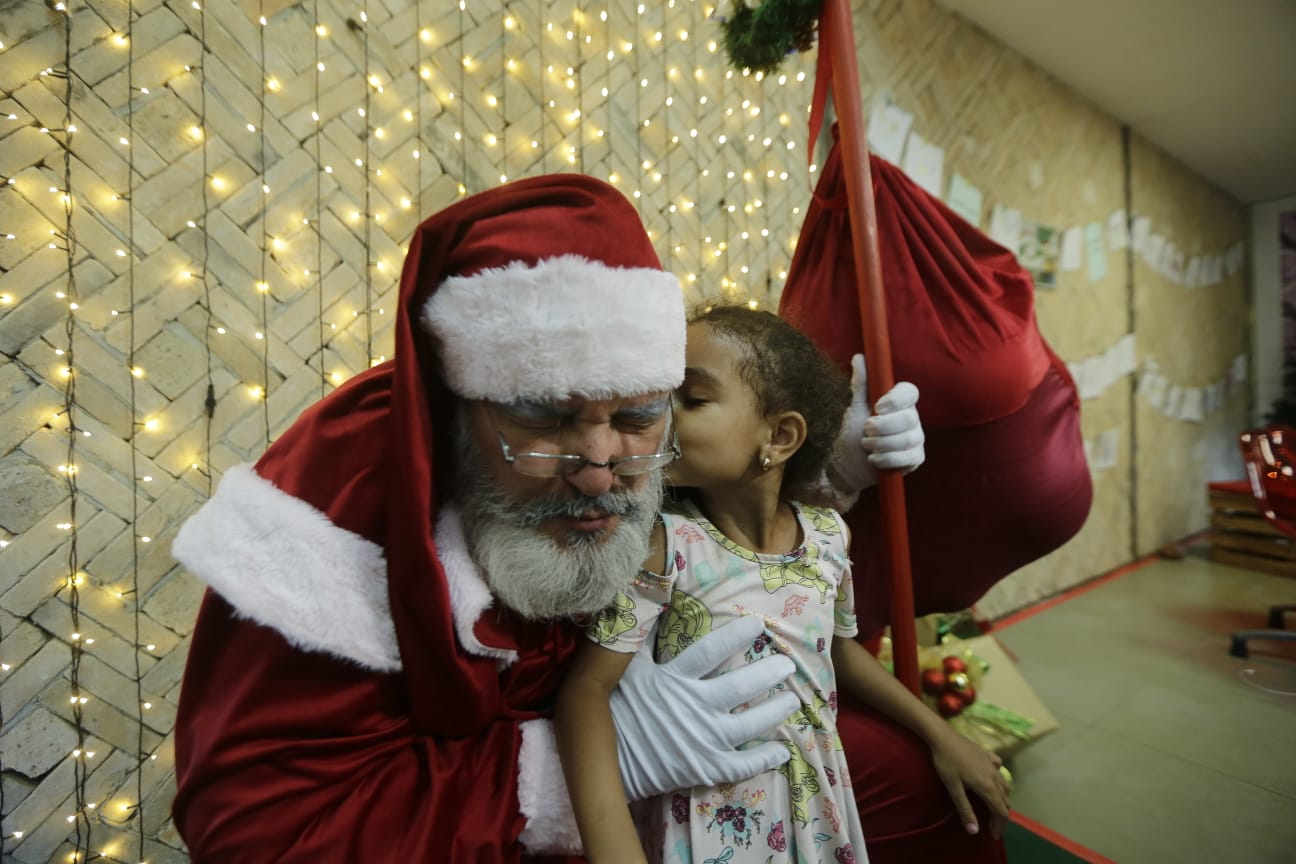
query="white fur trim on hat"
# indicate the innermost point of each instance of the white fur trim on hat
(568, 326)
(281, 563)
(542, 794)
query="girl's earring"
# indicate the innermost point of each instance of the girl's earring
(765, 464)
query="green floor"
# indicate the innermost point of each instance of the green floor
(1027, 848)
(1169, 749)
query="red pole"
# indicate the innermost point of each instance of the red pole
(837, 36)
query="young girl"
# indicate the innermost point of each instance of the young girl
(757, 416)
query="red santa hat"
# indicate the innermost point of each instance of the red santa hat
(555, 291)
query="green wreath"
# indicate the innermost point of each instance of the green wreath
(758, 38)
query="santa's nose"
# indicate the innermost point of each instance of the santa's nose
(592, 479)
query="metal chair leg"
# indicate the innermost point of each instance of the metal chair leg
(1276, 615)
(1238, 647)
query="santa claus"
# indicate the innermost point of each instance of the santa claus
(394, 589)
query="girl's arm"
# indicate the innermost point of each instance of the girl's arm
(587, 742)
(959, 761)
(587, 745)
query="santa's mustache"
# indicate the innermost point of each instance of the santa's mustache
(536, 512)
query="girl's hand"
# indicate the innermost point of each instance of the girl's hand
(963, 764)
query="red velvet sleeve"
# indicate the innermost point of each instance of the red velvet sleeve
(905, 810)
(290, 756)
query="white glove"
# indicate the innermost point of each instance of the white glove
(891, 438)
(674, 725)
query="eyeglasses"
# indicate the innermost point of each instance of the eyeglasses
(562, 464)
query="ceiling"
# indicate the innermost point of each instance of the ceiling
(1212, 82)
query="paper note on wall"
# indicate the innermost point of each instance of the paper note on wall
(1191, 408)
(888, 127)
(1005, 227)
(1238, 370)
(1142, 228)
(1153, 248)
(1072, 248)
(1104, 449)
(924, 163)
(1173, 401)
(1117, 230)
(1153, 386)
(965, 199)
(1122, 355)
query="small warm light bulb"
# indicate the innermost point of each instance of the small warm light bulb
(151, 424)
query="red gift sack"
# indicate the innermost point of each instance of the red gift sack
(1005, 480)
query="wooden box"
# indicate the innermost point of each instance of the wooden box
(1241, 536)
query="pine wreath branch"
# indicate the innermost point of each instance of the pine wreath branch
(760, 37)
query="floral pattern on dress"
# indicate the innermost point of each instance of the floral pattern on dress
(688, 622)
(614, 620)
(733, 814)
(803, 811)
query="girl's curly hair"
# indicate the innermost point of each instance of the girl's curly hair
(787, 372)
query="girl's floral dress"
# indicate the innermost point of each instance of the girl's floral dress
(805, 810)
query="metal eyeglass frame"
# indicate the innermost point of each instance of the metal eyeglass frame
(569, 463)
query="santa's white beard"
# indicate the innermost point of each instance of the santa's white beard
(542, 578)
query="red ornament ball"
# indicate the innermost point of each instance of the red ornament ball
(949, 704)
(954, 664)
(968, 696)
(933, 681)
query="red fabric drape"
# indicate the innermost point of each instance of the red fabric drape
(1005, 479)
(284, 755)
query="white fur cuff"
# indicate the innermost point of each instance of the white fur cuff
(566, 327)
(469, 595)
(280, 562)
(542, 794)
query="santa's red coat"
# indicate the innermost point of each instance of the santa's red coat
(354, 695)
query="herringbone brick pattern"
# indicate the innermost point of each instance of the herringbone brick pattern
(275, 297)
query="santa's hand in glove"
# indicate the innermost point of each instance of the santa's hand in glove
(675, 723)
(889, 437)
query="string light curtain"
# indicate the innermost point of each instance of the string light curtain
(67, 241)
(213, 232)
